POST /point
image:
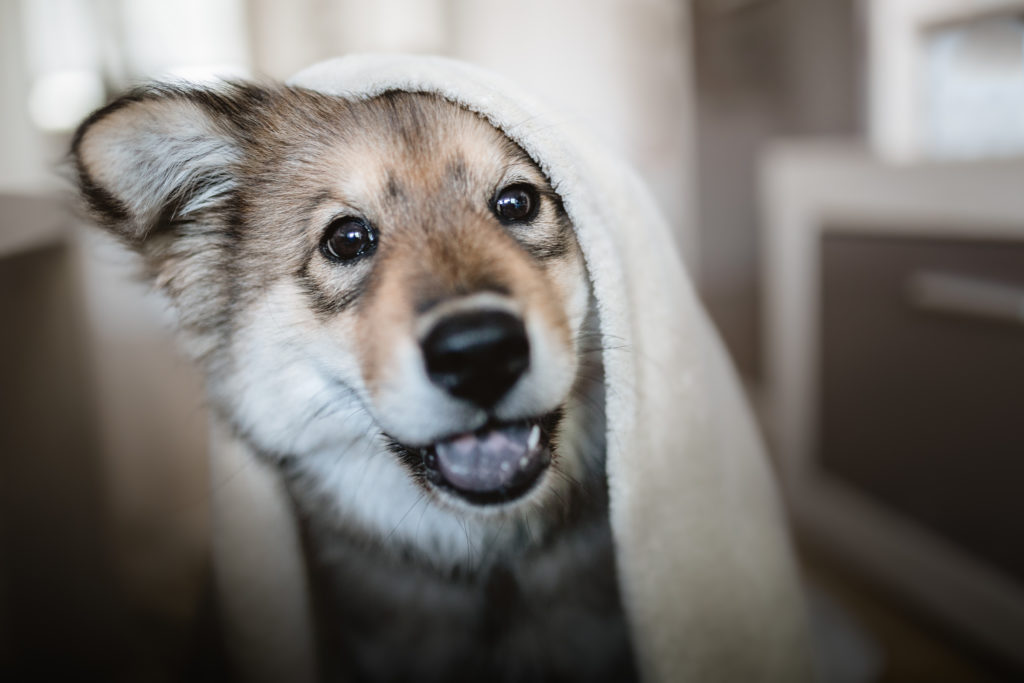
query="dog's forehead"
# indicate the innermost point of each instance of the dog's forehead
(405, 145)
(397, 161)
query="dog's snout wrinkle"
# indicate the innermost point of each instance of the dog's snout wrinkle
(492, 292)
(477, 356)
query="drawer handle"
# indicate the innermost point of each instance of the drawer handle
(939, 292)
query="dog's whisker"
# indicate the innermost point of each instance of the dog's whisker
(469, 541)
(402, 519)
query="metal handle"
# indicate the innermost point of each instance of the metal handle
(949, 293)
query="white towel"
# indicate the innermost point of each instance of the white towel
(707, 574)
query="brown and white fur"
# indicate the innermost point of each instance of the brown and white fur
(229, 195)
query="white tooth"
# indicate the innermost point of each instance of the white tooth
(505, 467)
(523, 462)
(534, 439)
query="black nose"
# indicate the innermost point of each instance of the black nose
(477, 356)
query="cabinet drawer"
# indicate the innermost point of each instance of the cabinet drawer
(922, 383)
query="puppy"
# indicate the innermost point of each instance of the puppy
(388, 303)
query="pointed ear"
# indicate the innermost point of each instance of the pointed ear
(160, 156)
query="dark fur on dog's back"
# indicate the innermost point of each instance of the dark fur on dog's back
(229, 195)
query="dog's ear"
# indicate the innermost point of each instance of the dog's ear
(162, 156)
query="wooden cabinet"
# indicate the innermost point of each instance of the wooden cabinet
(894, 319)
(922, 383)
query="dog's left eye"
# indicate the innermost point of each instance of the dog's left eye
(347, 239)
(516, 203)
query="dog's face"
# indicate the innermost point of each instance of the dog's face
(386, 292)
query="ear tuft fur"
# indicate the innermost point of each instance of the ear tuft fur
(160, 156)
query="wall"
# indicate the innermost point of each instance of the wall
(764, 68)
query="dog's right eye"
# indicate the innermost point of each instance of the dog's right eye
(347, 239)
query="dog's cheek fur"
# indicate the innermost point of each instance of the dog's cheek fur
(290, 386)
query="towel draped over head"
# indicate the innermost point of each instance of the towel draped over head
(704, 561)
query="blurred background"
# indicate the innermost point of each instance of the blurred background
(846, 184)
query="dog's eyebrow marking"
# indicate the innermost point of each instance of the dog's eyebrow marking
(318, 200)
(456, 170)
(394, 188)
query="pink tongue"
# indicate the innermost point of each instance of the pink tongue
(490, 461)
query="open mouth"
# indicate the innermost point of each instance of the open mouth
(498, 463)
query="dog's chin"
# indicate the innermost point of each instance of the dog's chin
(497, 464)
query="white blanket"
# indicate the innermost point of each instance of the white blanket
(705, 564)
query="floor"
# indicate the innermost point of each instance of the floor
(909, 648)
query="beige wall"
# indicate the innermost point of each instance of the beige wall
(26, 159)
(763, 70)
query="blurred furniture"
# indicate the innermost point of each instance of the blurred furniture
(104, 513)
(59, 607)
(946, 78)
(895, 373)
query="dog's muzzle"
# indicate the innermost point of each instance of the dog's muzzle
(478, 356)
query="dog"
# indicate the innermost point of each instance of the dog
(388, 303)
